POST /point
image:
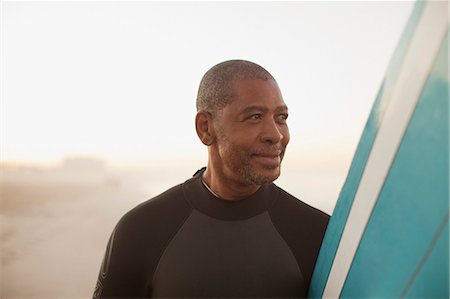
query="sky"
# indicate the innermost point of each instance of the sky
(118, 80)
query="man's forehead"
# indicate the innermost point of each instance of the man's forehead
(254, 90)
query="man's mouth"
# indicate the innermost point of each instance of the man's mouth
(269, 158)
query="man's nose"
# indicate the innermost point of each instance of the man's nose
(271, 133)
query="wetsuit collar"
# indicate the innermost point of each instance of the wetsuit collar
(201, 199)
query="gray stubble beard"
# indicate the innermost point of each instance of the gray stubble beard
(250, 176)
(244, 169)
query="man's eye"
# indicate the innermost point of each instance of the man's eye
(282, 117)
(255, 117)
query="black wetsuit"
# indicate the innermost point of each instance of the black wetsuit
(188, 243)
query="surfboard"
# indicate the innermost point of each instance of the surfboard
(389, 232)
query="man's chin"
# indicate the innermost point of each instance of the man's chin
(265, 175)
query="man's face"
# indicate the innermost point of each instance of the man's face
(252, 133)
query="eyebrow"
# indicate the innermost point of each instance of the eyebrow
(250, 109)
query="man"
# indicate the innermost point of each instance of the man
(228, 231)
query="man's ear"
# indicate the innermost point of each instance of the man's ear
(204, 127)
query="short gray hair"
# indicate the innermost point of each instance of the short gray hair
(214, 91)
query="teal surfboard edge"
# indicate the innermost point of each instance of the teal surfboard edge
(348, 191)
(404, 250)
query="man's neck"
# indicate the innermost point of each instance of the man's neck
(224, 188)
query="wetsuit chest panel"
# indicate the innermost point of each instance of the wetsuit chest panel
(215, 258)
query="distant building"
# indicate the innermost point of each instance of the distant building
(71, 170)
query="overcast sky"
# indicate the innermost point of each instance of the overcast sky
(118, 80)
